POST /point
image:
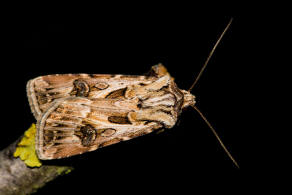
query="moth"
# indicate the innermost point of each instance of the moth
(77, 113)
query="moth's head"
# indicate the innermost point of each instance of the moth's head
(189, 99)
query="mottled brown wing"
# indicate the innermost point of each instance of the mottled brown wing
(75, 125)
(44, 90)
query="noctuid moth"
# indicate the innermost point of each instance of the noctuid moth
(77, 113)
(81, 112)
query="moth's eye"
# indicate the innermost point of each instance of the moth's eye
(88, 135)
(81, 88)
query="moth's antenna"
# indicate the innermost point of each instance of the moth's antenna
(210, 55)
(216, 135)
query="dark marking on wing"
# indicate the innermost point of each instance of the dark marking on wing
(117, 93)
(147, 122)
(139, 105)
(60, 125)
(165, 111)
(57, 144)
(119, 119)
(87, 135)
(81, 88)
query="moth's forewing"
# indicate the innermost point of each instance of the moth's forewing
(76, 125)
(43, 90)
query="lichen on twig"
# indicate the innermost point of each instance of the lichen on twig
(17, 175)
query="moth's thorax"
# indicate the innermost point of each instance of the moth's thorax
(159, 101)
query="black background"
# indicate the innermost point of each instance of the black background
(116, 41)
